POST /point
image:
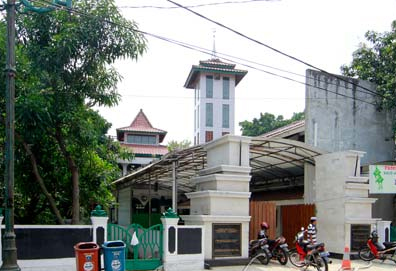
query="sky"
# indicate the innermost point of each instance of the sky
(323, 33)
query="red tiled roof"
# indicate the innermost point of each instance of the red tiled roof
(141, 124)
(147, 149)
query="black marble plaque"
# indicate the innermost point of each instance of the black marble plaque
(226, 240)
(359, 235)
(172, 239)
(189, 241)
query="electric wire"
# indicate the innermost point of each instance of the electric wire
(209, 52)
(196, 6)
(60, 7)
(270, 47)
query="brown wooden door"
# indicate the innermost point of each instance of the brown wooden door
(293, 218)
(262, 211)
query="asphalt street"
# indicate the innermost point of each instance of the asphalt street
(69, 264)
(335, 266)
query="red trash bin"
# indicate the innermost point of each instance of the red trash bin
(87, 256)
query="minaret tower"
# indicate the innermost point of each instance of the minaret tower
(214, 84)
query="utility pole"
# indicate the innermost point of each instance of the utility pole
(9, 253)
(9, 244)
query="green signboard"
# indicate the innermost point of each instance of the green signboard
(382, 179)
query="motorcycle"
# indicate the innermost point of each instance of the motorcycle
(279, 249)
(259, 249)
(305, 254)
(373, 249)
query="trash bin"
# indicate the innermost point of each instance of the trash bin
(114, 255)
(87, 256)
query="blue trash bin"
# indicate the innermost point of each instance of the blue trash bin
(114, 255)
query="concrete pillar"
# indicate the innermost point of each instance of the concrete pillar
(124, 169)
(221, 202)
(341, 198)
(99, 220)
(384, 229)
(173, 259)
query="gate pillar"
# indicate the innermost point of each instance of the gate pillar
(183, 246)
(99, 220)
(221, 201)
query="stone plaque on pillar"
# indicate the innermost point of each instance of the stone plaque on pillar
(226, 240)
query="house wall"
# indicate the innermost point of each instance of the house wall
(124, 209)
(339, 123)
(336, 123)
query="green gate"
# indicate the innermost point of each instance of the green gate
(147, 254)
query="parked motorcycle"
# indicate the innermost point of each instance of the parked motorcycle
(279, 249)
(305, 254)
(259, 249)
(374, 250)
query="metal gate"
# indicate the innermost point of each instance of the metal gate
(262, 211)
(147, 254)
(293, 218)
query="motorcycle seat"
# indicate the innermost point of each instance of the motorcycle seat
(389, 244)
(315, 246)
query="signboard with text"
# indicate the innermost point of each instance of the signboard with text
(226, 240)
(382, 179)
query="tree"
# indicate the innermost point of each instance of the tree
(266, 123)
(175, 145)
(375, 62)
(65, 69)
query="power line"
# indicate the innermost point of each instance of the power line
(268, 72)
(196, 6)
(271, 48)
(206, 51)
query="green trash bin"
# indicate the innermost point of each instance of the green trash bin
(114, 255)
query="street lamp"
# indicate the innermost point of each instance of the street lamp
(9, 245)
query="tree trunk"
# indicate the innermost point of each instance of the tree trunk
(75, 177)
(40, 181)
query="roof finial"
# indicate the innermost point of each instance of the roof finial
(214, 44)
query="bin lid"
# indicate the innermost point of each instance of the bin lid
(116, 243)
(86, 245)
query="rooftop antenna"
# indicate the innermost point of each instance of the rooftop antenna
(214, 44)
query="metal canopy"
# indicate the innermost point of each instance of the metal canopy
(279, 163)
(272, 160)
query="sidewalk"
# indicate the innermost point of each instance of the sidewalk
(69, 264)
(64, 264)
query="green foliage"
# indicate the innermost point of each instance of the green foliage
(375, 62)
(175, 145)
(266, 123)
(64, 67)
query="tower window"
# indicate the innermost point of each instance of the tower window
(226, 88)
(209, 115)
(208, 136)
(209, 86)
(226, 116)
(142, 139)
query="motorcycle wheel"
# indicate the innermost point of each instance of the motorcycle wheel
(262, 256)
(321, 264)
(365, 254)
(295, 259)
(282, 256)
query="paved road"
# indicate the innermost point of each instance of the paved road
(335, 266)
(69, 264)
